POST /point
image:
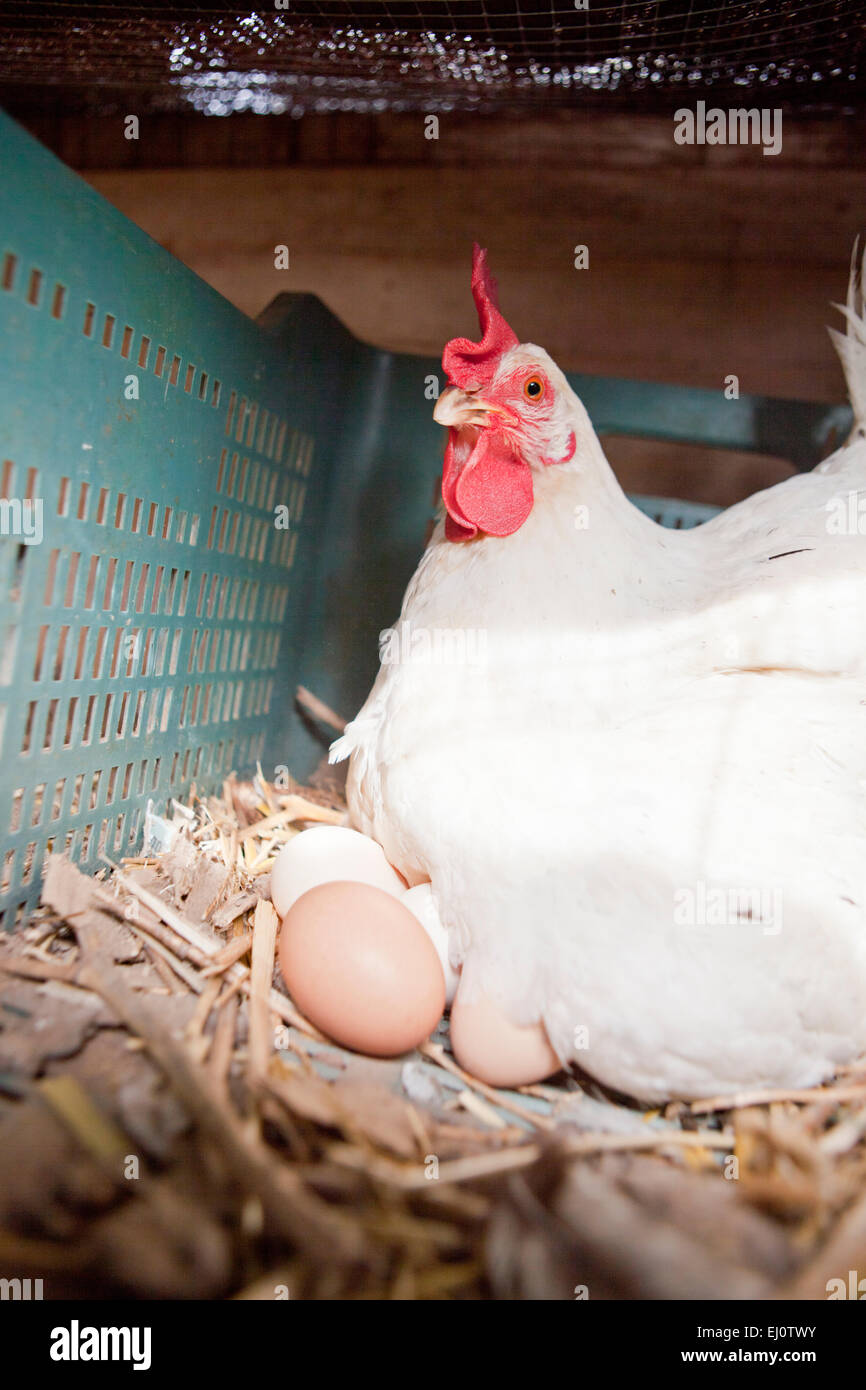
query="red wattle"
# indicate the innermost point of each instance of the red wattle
(491, 492)
(458, 527)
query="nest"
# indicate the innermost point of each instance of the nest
(172, 1126)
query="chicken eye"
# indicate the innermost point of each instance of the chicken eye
(533, 388)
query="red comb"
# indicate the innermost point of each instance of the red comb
(473, 364)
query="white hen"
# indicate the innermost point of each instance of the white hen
(631, 760)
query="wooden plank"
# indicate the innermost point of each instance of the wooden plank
(592, 139)
(719, 476)
(738, 214)
(689, 280)
(569, 139)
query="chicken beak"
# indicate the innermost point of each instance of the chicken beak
(456, 408)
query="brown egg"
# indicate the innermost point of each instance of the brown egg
(360, 966)
(488, 1045)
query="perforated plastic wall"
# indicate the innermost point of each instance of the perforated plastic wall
(149, 600)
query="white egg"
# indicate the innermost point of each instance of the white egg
(330, 854)
(419, 901)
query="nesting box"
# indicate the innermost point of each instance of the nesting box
(200, 511)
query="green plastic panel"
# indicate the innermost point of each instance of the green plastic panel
(151, 631)
(155, 618)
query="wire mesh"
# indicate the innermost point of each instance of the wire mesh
(433, 55)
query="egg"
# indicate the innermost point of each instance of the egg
(326, 854)
(489, 1046)
(419, 901)
(360, 966)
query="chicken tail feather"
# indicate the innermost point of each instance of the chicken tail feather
(851, 345)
